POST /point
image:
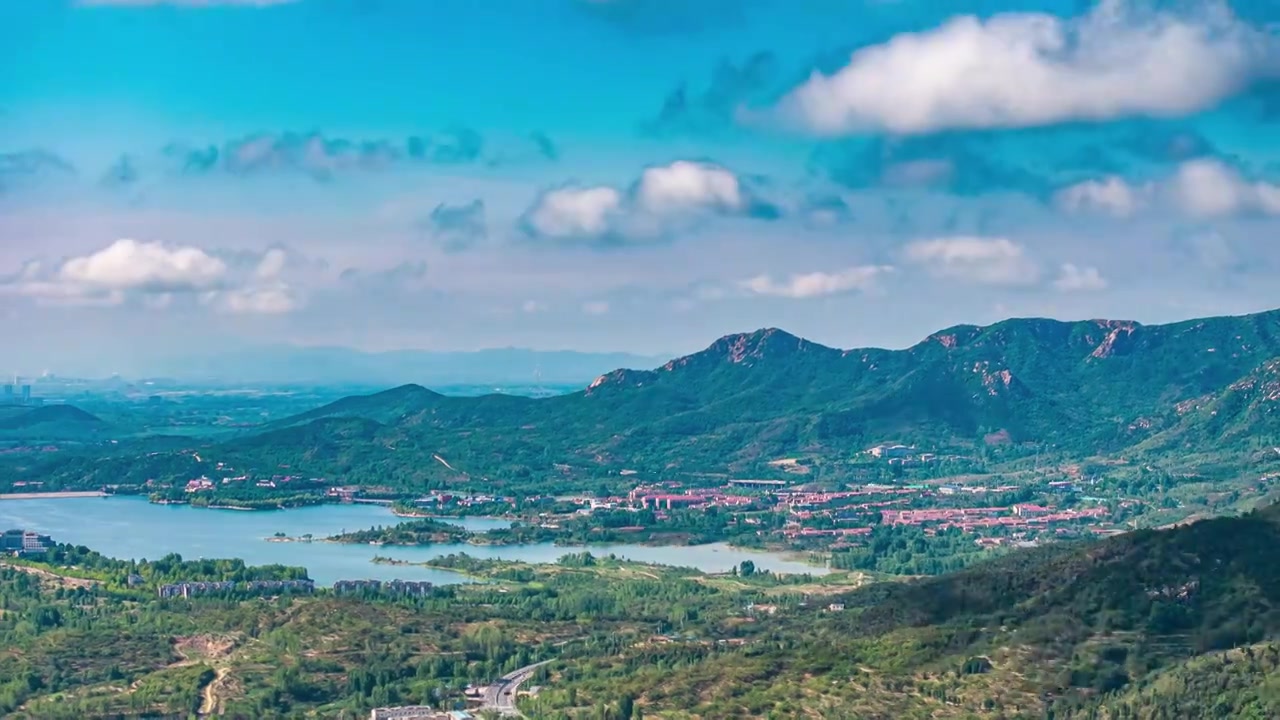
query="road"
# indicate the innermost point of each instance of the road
(209, 695)
(501, 696)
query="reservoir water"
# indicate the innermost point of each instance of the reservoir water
(132, 528)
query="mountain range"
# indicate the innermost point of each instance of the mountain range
(1084, 388)
(335, 365)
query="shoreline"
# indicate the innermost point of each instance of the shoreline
(446, 518)
(238, 508)
(66, 494)
(810, 559)
(813, 559)
(429, 565)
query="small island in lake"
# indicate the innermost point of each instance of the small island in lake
(283, 538)
(644, 527)
(422, 531)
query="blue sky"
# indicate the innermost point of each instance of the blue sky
(640, 175)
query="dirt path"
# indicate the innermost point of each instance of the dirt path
(61, 580)
(209, 704)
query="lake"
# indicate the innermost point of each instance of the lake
(132, 528)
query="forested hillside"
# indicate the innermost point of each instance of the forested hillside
(1178, 623)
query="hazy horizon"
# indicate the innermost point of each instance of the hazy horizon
(252, 360)
(636, 176)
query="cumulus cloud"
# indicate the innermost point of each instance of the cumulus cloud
(149, 267)
(273, 299)
(985, 261)
(816, 284)
(1073, 278)
(271, 265)
(685, 186)
(1209, 188)
(574, 212)
(1201, 188)
(1032, 69)
(154, 273)
(663, 198)
(1111, 196)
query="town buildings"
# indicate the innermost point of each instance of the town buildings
(192, 589)
(19, 396)
(24, 542)
(394, 587)
(889, 451)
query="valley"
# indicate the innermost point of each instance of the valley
(1030, 519)
(639, 360)
(1135, 625)
(972, 441)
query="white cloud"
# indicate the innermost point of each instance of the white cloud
(532, 306)
(986, 261)
(817, 284)
(1208, 188)
(271, 265)
(664, 198)
(155, 274)
(1111, 196)
(1203, 188)
(1073, 278)
(1032, 69)
(595, 307)
(274, 299)
(574, 212)
(151, 267)
(685, 186)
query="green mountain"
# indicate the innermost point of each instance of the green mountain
(1157, 624)
(1088, 386)
(1082, 389)
(1210, 583)
(1242, 409)
(48, 420)
(1177, 623)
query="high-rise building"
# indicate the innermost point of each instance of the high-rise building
(26, 394)
(7, 397)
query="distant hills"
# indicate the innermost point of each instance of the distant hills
(48, 420)
(1086, 385)
(321, 365)
(1084, 388)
